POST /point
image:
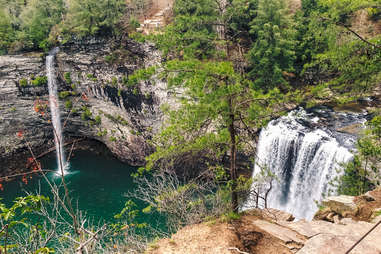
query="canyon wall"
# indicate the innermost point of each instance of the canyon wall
(93, 81)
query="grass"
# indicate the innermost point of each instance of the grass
(230, 216)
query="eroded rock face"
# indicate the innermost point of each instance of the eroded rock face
(93, 76)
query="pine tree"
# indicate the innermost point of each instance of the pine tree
(273, 53)
(91, 17)
(6, 32)
(217, 103)
(191, 34)
(37, 19)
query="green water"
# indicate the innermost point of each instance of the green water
(97, 183)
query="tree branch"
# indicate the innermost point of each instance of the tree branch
(357, 35)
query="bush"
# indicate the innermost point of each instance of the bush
(69, 104)
(114, 81)
(182, 203)
(111, 58)
(23, 82)
(101, 133)
(40, 81)
(374, 13)
(91, 77)
(67, 77)
(64, 94)
(86, 114)
(98, 120)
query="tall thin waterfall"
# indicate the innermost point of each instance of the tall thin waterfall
(304, 159)
(55, 111)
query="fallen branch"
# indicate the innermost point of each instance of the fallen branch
(239, 251)
(362, 238)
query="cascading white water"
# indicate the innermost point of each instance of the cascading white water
(55, 111)
(305, 160)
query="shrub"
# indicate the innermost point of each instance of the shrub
(64, 94)
(98, 120)
(111, 58)
(23, 82)
(114, 81)
(101, 133)
(40, 81)
(125, 80)
(86, 114)
(67, 77)
(374, 13)
(69, 104)
(182, 203)
(92, 77)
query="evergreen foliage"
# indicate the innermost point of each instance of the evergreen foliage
(36, 21)
(191, 34)
(91, 17)
(273, 51)
(37, 24)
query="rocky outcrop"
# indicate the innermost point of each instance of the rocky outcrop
(96, 99)
(326, 237)
(365, 207)
(272, 231)
(341, 204)
(256, 233)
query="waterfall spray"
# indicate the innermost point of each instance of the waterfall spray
(55, 111)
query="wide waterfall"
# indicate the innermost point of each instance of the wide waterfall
(305, 158)
(55, 111)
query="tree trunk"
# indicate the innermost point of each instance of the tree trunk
(221, 27)
(233, 156)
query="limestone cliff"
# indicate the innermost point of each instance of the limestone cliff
(92, 78)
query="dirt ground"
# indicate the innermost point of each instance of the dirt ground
(238, 237)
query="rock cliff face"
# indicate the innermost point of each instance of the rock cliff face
(92, 79)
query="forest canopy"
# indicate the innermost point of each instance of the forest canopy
(39, 24)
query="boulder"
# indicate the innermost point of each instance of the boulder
(278, 215)
(330, 244)
(291, 239)
(326, 237)
(368, 197)
(341, 205)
